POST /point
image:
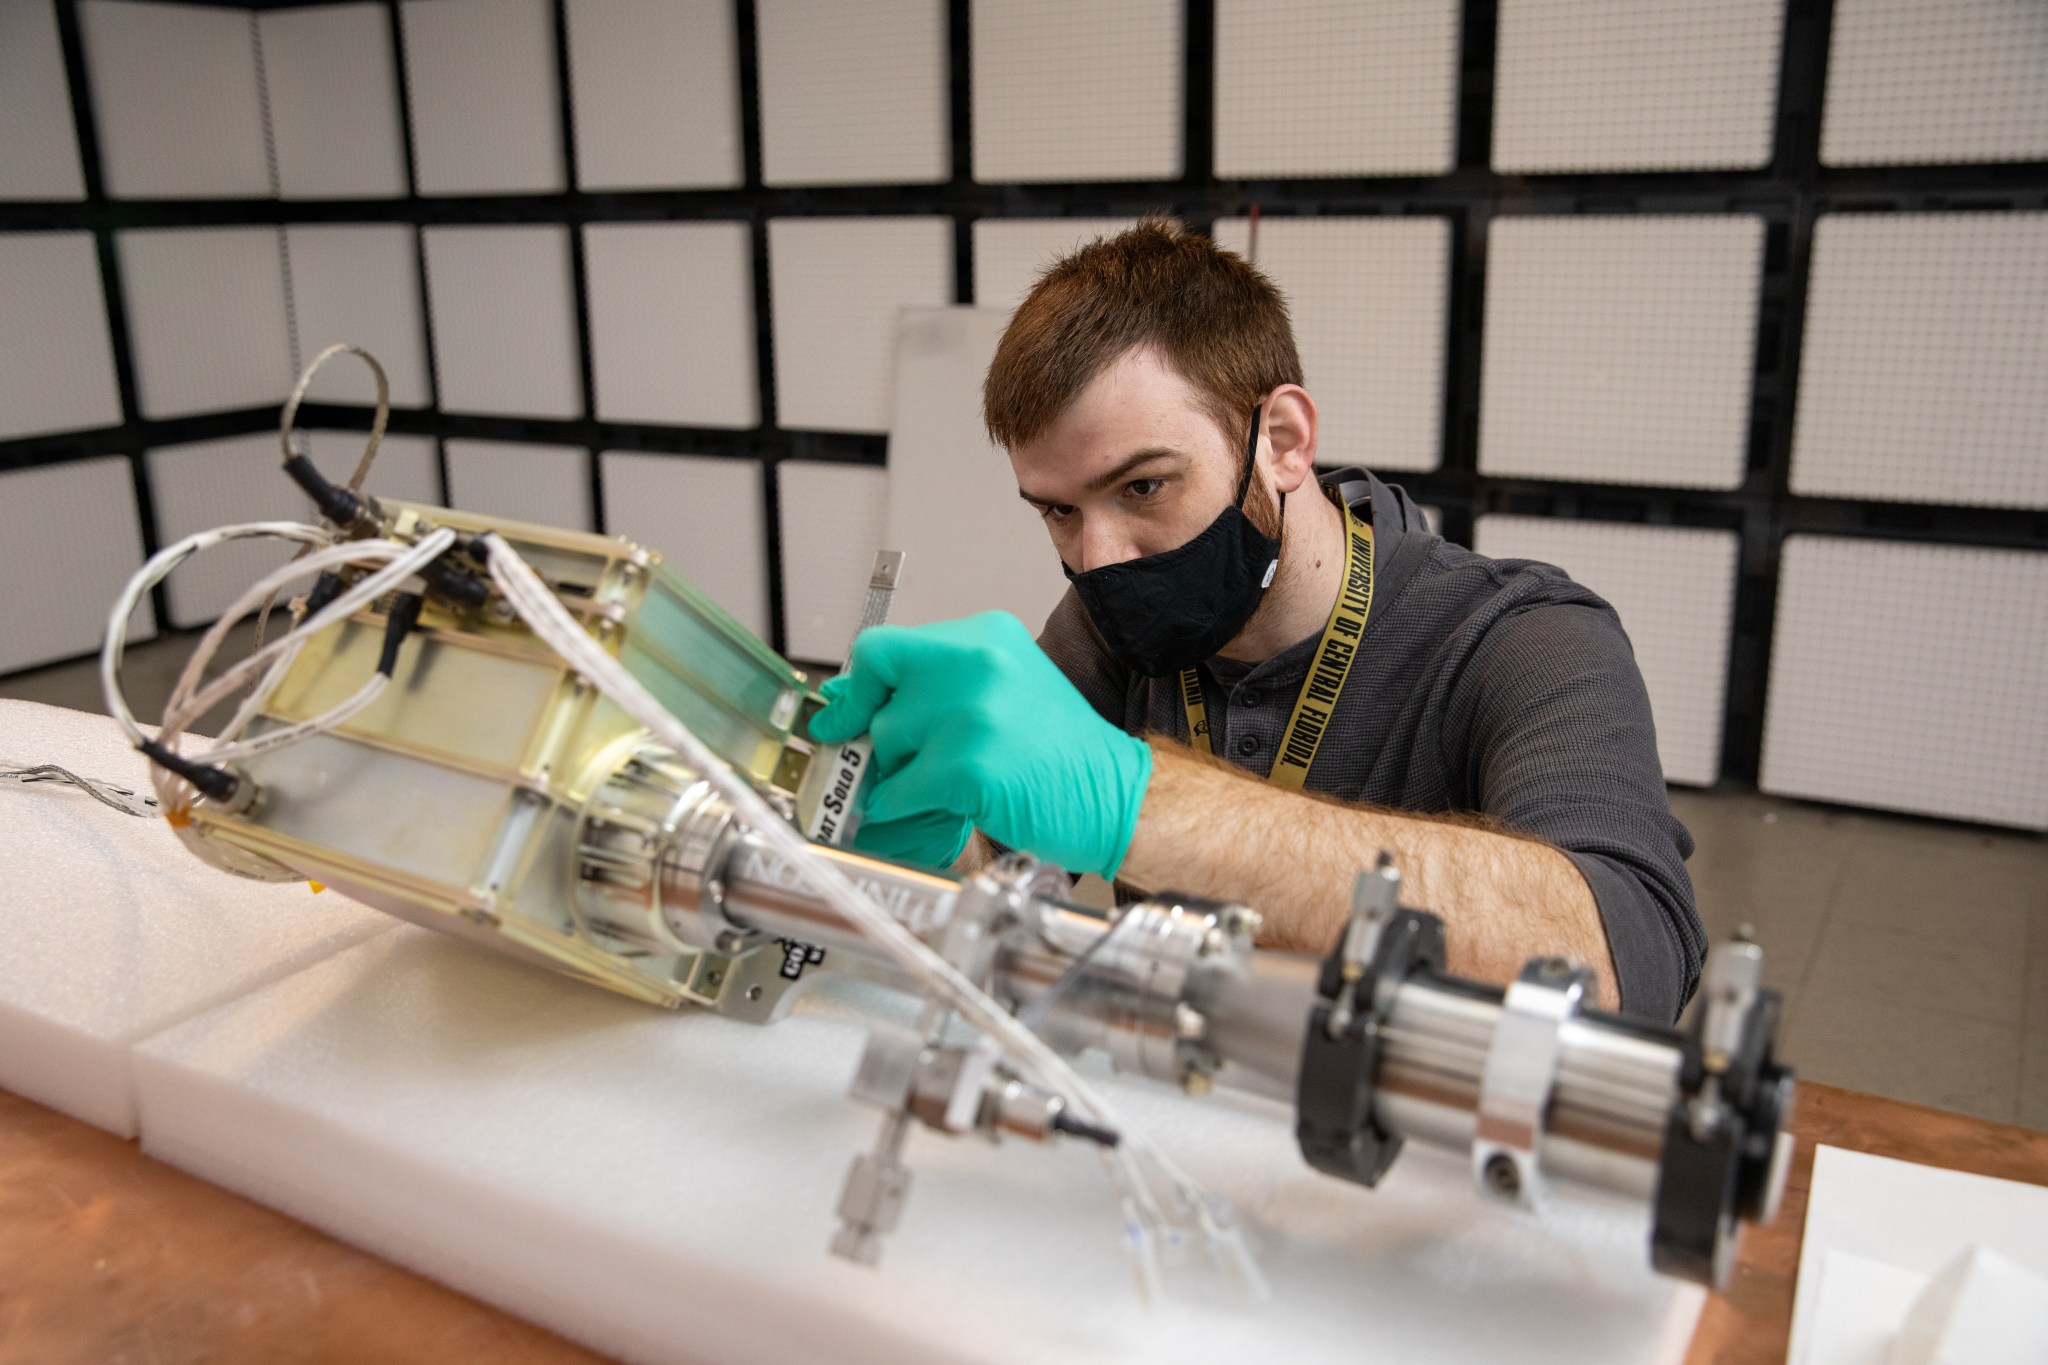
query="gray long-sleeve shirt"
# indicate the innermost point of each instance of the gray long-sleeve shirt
(1480, 685)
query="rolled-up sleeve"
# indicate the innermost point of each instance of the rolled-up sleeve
(1557, 741)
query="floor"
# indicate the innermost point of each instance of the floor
(1913, 954)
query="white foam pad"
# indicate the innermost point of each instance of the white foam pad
(114, 931)
(662, 1187)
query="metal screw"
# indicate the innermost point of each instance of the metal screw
(753, 992)
(1503, 1177)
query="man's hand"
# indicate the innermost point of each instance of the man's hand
(974, 726)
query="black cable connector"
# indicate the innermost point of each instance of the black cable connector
(338, 505)
(453, 585)
(1067, 1123)
(404, 615)
(326, 588)
(213, 783)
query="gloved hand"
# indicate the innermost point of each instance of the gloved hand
(970, 720)
(933, 840)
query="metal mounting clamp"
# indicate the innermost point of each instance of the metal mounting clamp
(1521, 1067)
(1380, 948)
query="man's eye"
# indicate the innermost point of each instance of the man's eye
(1144, 488)
(1055, 511)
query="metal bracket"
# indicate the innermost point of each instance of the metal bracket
(1521, 1067)
(1334, 1123)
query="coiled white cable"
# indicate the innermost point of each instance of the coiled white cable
(401, 563)
(156, 571)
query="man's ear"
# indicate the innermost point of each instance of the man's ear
(1290, 421)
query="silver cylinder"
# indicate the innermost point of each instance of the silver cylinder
(1608, 1105)
(762, 892)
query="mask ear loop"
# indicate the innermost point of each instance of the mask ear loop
(1251, 457)
(1251, 462)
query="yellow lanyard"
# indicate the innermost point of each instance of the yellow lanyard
(1326, 672)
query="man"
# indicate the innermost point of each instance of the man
(1259, 678)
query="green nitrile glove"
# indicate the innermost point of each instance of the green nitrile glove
(970, 719)
(933, 840)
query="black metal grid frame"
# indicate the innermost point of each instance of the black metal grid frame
(1788, 194)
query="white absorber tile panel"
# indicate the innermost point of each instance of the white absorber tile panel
(176, 99)
(837, 285)
(360, 283)
(1911, 677)
(38, 139)
(1329, 87)
(1923, 376)
(1619, 349)
(56, 361)
(486, 110)
(1674, 589)
(206, 317)
(407, 467)
(503, 311)
(69, 538)
(1914, 82)
(832, 520)
(1077, 90)
(656, 90)
(548, 1148)
(203, 484)
(970, 543)
(1011, 253)
(1369, 300)
(672, 322)
(546, 485)
(332, 79)
(854, 94)
(703, 514)
(1635, 85)
(115, 931)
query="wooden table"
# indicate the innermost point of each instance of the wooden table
(108, 1256)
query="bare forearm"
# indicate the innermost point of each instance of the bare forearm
(1215, 831)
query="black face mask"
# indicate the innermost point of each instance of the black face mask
(1170, 611)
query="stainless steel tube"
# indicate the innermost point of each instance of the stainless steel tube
(1609, 1103)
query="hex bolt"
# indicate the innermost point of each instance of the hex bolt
(1188, 1022)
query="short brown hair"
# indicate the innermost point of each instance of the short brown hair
(1210, 314)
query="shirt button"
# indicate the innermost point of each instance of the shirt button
(1248, 746)
(1250, 698)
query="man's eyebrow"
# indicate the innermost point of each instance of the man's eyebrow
(1123, 468)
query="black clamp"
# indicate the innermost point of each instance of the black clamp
(1726, 1150)
(1340, 1055)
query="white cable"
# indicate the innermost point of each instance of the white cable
(334, 557)
(550, 621)
(154, 572)
(305, 729)
(184, 708)
(259, 696)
